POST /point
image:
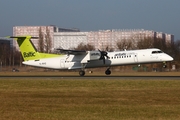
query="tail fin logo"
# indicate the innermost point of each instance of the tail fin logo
(28, 54)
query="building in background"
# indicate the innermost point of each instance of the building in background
(35, 30)
(109, 38)
(5, 51)
(6, 41)
(71, 38)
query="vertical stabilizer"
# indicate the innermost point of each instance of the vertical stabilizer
(27, 48)
(29, 51)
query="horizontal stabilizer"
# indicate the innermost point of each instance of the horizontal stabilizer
(24, 37)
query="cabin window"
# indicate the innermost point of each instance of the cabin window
(160, 52)
(155, 52)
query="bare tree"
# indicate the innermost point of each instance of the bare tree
(48, 41)
(11, 56)
(4, 53)
(17, 58)
(176, 50)
(110, 49)
(125, 44)
(145, 43)
(41, 41)
(160, 43)
(82, 46)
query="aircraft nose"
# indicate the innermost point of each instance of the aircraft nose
(167, 57)
(170, 58)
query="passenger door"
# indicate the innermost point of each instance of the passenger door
(135, 57)
(62, 63)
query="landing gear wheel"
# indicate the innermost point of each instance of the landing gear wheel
(164, 66)
(108, 72)
(81, 72)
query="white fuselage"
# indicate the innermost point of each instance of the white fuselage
(115, 59)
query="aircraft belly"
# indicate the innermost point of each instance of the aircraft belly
(74, 65)
(148, 59)
(123, 61)
(47, 63)
(98, 63)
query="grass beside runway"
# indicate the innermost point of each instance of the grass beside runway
(96, 73)
(54, 99)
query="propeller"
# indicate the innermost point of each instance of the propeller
(103, 55)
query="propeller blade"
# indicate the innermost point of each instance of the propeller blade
(103, 55)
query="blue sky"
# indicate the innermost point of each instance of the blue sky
(92, 15)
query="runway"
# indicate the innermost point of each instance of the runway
(95, 77)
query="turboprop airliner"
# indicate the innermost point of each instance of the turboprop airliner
(73, 59)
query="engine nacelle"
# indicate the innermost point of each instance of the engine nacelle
(94, 55)
(91, 55)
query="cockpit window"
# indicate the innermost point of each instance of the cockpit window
(155, 52)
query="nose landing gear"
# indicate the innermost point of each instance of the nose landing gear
(164, 65)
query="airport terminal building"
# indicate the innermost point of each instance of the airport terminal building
(71, 38)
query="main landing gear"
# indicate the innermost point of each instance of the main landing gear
(82, 72)
(108, 71)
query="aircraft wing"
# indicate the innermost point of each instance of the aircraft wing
(88, 55)
(73, 52)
